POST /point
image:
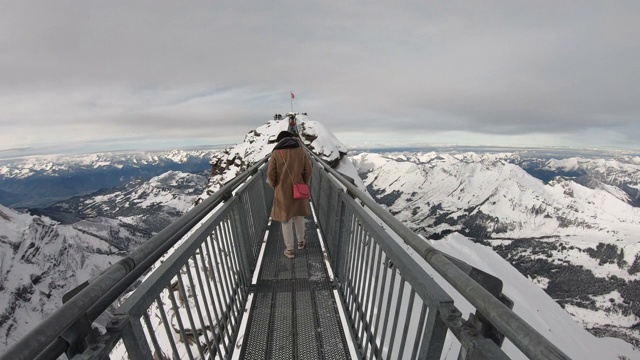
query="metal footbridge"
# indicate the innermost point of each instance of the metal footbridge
(216, 285)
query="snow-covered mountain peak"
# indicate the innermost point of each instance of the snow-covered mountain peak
(259, 143)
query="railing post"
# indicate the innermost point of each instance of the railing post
(343, 236)
(237, 214)
(336, 235)
(263, 191)
(135, 340)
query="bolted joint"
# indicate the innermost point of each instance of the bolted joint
(127, 263)
(117, 323)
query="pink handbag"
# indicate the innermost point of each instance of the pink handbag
(301, 191)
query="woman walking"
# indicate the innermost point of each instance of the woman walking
(289, 164)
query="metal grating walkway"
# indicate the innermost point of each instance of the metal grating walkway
(294, 314)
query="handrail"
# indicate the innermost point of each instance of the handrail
(520, 333)
(102, 291)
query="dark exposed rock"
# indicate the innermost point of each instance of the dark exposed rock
(635, 267)
(607, 254)
(382, 197)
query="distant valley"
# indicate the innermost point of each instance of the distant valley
(42, 181)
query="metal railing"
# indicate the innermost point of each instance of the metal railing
(191, 305)
(396, 309)
(224, 247)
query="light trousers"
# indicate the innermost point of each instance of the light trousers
(287, 231)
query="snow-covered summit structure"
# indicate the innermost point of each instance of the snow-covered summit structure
(259, 143)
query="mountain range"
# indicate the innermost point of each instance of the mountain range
(579, 243)
(42, 181)
(566, 225)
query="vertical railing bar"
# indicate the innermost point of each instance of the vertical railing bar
(254, 208)
(135, 341)
(348, 280)
(222, 285)
(218, 324)
(407, 322)
(231, 274)
(263, 190)
(261, 221)
(187, 307)
(334, 233)
(323, 204)
(242, 249)
(230, 260)
(336, 254)
(220, 293)
(345, 234)
(396, 315)
(335, 198)
(388, 307)
(248, 203)
(383, 284)
(243, 277)
(205, 303)
(421, 328)
(257, 207)
(239, 283)
(176, 311)
(364, 241)
(152, 335)
(353, 273)
(246, 245)
(331, 214)
(245, 205)
(196, 303)
(356, 275)
(375, 284)
(258, 216)
(366, 248)
(366, 295)
(435, 332)
(220, 256)
(167, 327)
(260, 209)
(217, 301)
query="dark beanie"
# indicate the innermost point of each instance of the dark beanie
(284, 134)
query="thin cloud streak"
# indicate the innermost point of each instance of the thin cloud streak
(560, 74)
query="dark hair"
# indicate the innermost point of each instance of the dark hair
(284, 134)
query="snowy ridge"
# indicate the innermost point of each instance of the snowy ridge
(530, 303)
(578, 243)
(42, 259)
(511, 203)
(173, 189)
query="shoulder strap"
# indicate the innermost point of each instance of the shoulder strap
(285, 165)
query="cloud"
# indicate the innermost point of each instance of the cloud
(89, 71)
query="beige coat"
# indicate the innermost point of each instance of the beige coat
(299, 165)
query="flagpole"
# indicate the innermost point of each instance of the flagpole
(291, 96)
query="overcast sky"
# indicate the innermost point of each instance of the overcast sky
(99, 75)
